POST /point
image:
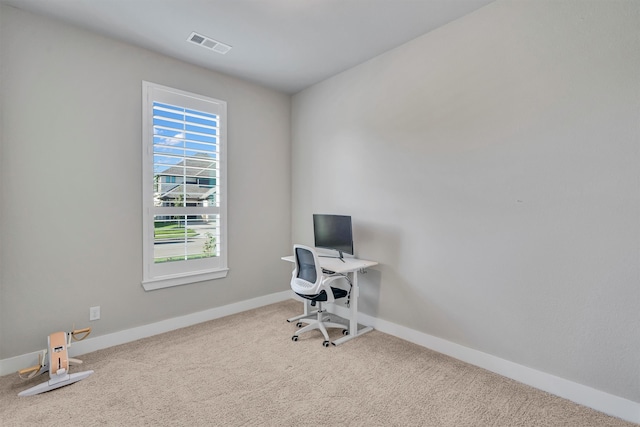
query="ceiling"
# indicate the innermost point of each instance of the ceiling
(286, 45)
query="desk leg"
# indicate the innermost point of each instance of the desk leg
(353, 320)
(306, 314)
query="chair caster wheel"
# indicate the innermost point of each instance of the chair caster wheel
(299, 324)
(326, 343)
(345, 332)
(294, 338)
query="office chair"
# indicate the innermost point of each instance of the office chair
(310, 282)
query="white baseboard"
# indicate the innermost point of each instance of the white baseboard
(13, 364)
(578, 393)
(581, 394)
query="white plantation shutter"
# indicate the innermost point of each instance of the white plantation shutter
(184, 184)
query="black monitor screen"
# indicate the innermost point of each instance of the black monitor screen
(333, 232)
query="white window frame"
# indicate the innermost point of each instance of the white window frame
(163, 275)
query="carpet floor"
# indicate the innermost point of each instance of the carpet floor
(244, 370)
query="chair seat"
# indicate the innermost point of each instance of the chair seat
(322, 296)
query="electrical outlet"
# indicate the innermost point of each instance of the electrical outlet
(94, 313)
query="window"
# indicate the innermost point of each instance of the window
(184, 187)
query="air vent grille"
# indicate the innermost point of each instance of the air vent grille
(209, 43)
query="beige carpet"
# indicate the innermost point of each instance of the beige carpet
(244, 370)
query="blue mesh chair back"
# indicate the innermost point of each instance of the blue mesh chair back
(306, 265)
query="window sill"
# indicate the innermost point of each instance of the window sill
(183, 279)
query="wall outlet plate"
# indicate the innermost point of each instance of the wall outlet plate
(94, 313)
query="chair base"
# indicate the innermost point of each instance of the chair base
(321, 323)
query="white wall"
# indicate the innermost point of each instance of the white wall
(491, 166)
(71, 208)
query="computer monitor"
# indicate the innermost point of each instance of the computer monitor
(333, 232)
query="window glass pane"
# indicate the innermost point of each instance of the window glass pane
(185, 147)
(185, 237)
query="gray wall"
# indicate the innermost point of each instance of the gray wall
(71, 204)
(491, 166)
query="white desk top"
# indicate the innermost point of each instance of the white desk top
(334, 264)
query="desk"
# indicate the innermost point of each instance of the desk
(350, 266)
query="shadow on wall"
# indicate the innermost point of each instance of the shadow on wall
(401, 289)
(380, 243)
(369, 283)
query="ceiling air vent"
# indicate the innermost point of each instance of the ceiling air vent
(209, 43)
